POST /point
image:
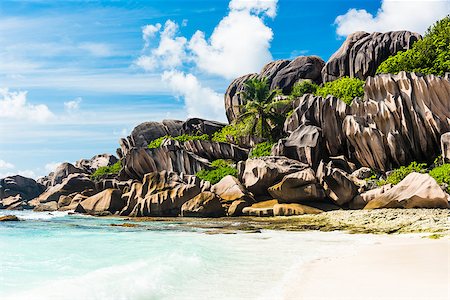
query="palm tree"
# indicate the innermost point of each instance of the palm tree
(262, 110)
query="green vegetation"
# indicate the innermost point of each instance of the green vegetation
(231, 133)
(109, 170)
(181, 138)
(262, 149)
(399, 174)
(441, 174)
(428, 56)
(220, 169)
(303, 87)
(344, 88)
(264, 114)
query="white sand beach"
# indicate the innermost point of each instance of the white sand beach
(401, 267)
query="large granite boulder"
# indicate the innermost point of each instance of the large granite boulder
(27, 188)
(415, 191)
(303, 144)
(260, 209)
(100, 160)
(215, 150)
(204, 205)
(160, 194)
(197, 126)
(400, 120)
(229, 189)
(171, 157)
(74, 183)
(361, 200)
(298, 187)
(280, 74)
(362, 53)
(13, 203)
(258, 174)
(337, 183)
(107, 202)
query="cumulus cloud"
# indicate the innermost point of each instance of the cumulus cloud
(5, 165)
(239, 44)
(73, 105)
(199, 100)
(415, 16)
(14, 105)
(25, 173)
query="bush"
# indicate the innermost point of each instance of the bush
(344, 88)
(441, 174)
(221, 168)
(431, 55)
(262, 149)
(303, 87)
(109, 170)
(231, 133)
(399, 174)
(181, 138)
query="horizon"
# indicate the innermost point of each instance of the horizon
(77, 76)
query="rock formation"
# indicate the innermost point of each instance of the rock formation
(415, 191)
(401, 119)
(204, 205)
(100, 160)
(107, 202)
(362, 53)
(146, 132)
(160, 194)
(280, 74)
(74, 183)
(27, 188)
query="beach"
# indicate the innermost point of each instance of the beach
(399, 267)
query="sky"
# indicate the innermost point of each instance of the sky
(77, 75)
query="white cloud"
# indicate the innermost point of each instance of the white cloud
(239, 44)
(268, 7)
(96, 49)
(200, 101)
(5, 165)
(24, 173)
(50, 167)
(170, 52)
(393, 15)
(73, 105)
(14, 105)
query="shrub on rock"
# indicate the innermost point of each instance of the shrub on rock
(220, 169)
(399, 174)
(441, 174)
(108, 170)
(344, 88)
(261, 149)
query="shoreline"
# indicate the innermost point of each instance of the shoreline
(400, 267)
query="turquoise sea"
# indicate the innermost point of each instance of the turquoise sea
(61, 256)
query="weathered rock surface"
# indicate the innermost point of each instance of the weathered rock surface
(47, 206)
(297, 187)
(13, 203)
(27, 188)
(108, 201)
(337, 183)
(204, 205)
(8, 218)
(303, 144)
(260, 209)
(362, 199)
(235, 209)
(74, 183)
(146, 132)
(215, 150)
(400, 120)
(229, 189)
(415, 191)
(141, 161)
(100, 160)
(258, 174)
(294, 209)
(160, 194)
(445, 146)
(282, 74)
(362, 53)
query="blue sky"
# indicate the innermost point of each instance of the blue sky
(77, 75)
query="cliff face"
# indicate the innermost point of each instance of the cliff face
(400, 119)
